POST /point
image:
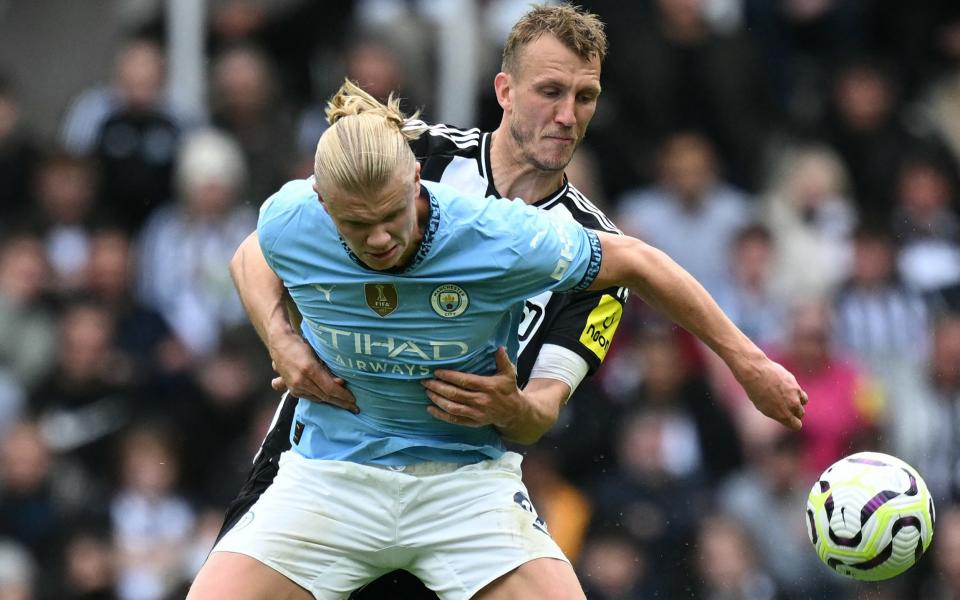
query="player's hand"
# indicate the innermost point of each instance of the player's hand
(476, 400)
(306, 377)
(774, 391)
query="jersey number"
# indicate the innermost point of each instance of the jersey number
(532, 314)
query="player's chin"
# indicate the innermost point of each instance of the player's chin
(557, 159)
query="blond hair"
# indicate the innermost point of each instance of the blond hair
(366, 144)
(577, 29)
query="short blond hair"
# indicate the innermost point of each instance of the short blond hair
(576, 28)
(365, 145)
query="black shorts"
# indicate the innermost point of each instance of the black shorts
(398, 585)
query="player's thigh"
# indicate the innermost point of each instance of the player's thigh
(474, 525)
(325, 525)
(539, 578)
(232, 576)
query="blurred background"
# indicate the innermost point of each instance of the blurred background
(799, 157)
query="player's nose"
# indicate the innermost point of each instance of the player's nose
(378, 240)
(565, 114)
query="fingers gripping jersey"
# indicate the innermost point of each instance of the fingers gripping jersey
(459, 299)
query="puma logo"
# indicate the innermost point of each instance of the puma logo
(325, 291)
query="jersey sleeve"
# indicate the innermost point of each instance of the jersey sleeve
(541, 253)
(586, 323)
(279, 215)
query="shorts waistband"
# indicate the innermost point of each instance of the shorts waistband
(421, 469)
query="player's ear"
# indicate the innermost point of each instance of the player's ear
(416, 179)
(502, 84)
(319, 196)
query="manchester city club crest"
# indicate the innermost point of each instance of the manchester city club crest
(381, 297)
(449, 300)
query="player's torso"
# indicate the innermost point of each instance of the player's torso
(384, 332)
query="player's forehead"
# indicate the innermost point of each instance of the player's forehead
(547, 59)
(370, 206)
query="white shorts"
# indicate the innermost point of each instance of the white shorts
(332, 527)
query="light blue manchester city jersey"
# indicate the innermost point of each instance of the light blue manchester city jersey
(385, 331)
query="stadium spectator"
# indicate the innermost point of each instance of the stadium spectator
(89, 564)
(800, 43)
(131, 131)
(729, 564)
(138, 82)
(923, 409)
(769, 491)
(698, 430)
(648, 499)
(863, 124)
(184, 246)
(811, 219)
(747, 295)
(614, 567)
(142, 334)
(878, 318)
(18, 156)
(31, 512)
(248, 104)
(150, 519)
(690, 201)
(926, 225)
(64, 212)
(674, 72)
(846, 410)
(86, 400)
(27, 327)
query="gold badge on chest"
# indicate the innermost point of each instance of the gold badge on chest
(381, 297)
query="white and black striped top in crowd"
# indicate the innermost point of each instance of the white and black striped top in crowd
(883, 324)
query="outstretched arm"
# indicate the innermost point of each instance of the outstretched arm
(666, 286)
(266, 302)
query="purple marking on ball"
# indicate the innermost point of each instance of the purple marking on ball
(875, 503)
(869, 461)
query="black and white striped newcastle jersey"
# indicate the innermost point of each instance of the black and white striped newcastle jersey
(584, 322)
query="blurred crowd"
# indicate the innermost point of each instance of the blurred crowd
(800, 157)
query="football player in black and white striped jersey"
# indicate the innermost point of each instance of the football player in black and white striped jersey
(548, 90)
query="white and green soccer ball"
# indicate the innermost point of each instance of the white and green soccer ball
(870, 516)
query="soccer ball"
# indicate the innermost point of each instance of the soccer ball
(870, 516)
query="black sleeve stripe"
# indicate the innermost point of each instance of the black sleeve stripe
(588, 207)
(462, 138)
(454, 134)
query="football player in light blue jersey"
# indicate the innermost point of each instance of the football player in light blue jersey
(367, 259)
(384, 325)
